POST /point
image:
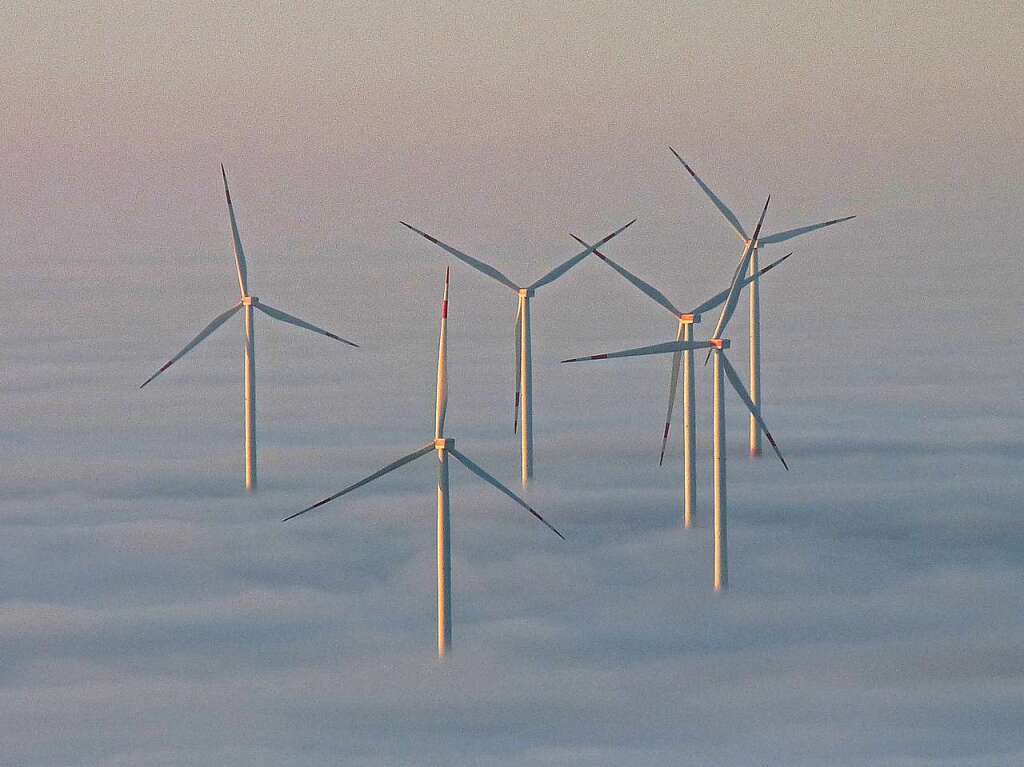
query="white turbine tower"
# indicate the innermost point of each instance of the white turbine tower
(248, 302)
(443, 446)
(523, 408)
(755, 305)
(683, 360)
(715, 345)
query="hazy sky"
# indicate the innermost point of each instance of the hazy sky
(150, 613)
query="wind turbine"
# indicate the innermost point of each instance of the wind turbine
(444, 446)
(248, 302)
(755, 305)
(716, 345)
(524, 357)
(684, 333)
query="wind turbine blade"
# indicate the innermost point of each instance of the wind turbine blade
(390, 467)
(644, 287)
(755, 411)
(243, 276)
(565, 266)
(717, 299)
(220, 320)
(791, 233)
(480, 266)
(729, 215)
(519, 365)
(277, 314)
(673, 383)
(473, 467)
(665, 348)
(737, 279)
(442, 364)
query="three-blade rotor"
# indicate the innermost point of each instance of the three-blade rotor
(243, 285)
(465, 460)
(751, 243)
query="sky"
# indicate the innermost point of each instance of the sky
(153, 613)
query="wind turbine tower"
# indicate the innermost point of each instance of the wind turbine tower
(248, 303)
(754, 243)
(443, 446)
(716, 346)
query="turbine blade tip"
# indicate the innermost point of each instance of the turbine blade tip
(777, 451)
(227, 192)
(685, 164)
(343, 340)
